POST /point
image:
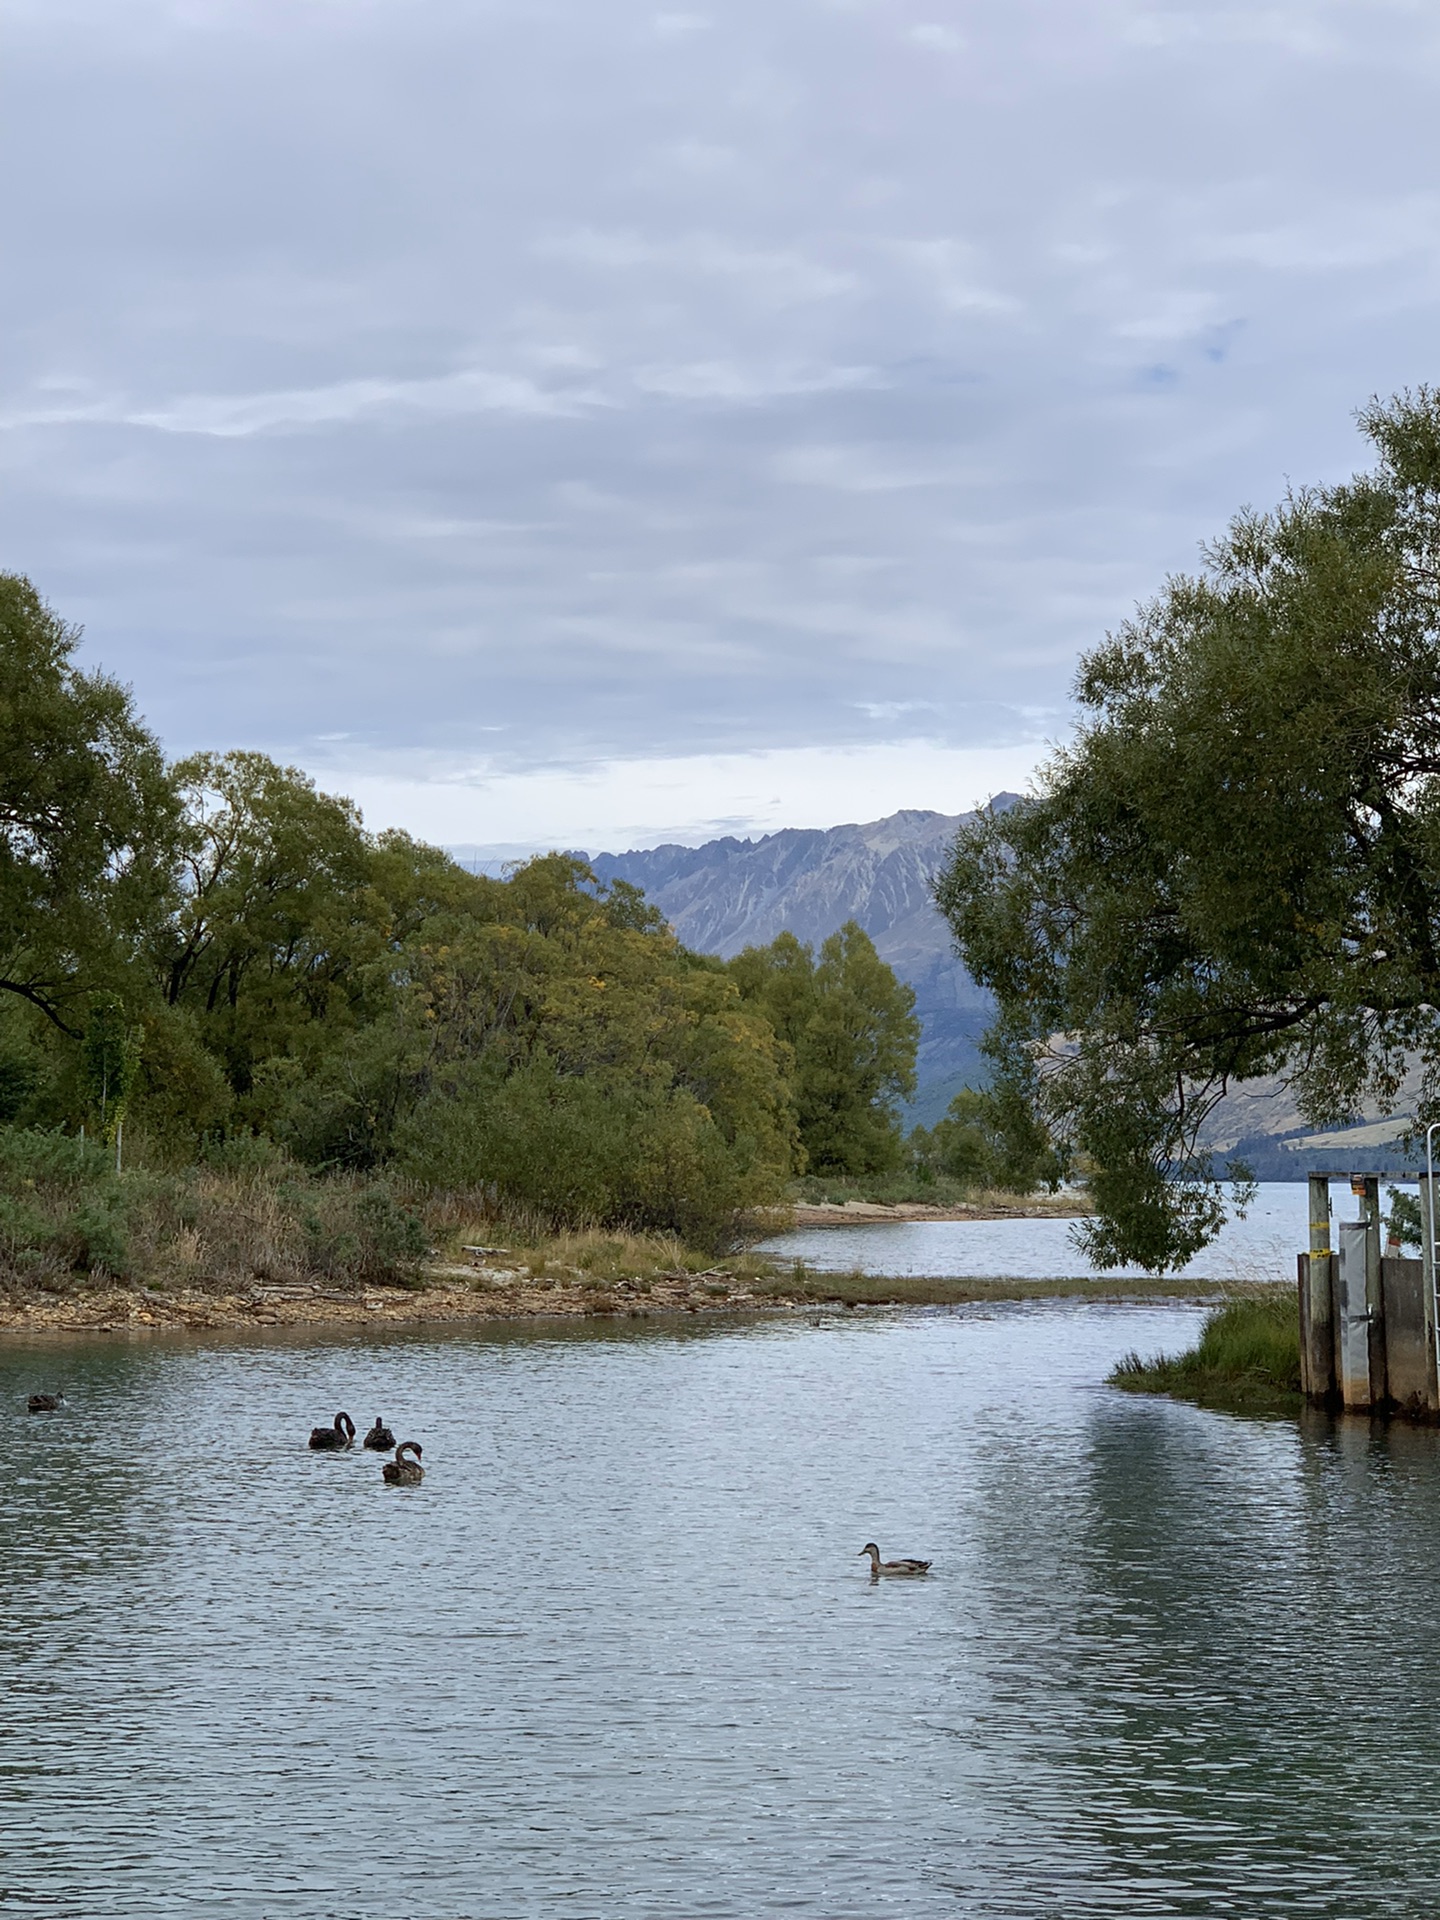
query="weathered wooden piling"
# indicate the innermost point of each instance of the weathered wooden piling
(1368, 1323)
(1317, 1299)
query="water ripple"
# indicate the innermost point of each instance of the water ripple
(618, 1656)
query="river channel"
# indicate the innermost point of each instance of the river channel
(618, 1656)
(1261, 1244)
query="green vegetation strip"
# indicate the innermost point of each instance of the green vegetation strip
(1247, 1359)
(876, 1290)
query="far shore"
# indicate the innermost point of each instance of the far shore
(864, 1213)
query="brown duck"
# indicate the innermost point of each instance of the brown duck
(896, 1568)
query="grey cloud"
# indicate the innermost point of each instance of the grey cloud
(394, 383)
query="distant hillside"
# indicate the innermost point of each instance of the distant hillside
(730, 894)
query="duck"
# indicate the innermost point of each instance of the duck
(904, 1568)
(45, 1403)
(379, 1439)
(334, 1439)
(401, 1472)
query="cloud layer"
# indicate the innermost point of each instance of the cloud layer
(451, 391)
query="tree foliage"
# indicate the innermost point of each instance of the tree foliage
(852, 1033)
(990, 1137)
(1234, 871)
(110, 1058)
(223, 953)
(87, 817)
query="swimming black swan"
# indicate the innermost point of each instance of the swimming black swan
(44, 1403)
(401, 1472)
(334, 1439)
(379, 1438)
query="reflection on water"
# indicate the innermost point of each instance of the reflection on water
(618, 1656)
(1262, 1246)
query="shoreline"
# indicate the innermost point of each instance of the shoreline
(862, 1213)
(456, 1302)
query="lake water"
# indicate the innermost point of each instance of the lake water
(617, 1657)
(1262, 1246)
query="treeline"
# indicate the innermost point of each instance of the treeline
(212, 958)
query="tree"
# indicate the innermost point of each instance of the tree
(1234, 871)
(552, 1043)
(87, 817)
(851, 1029)
(279, 925)
(110, 1059)
(989, 1137)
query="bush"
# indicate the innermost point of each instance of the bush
(584, 1152)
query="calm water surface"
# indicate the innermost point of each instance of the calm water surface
(1262, 1246)
(617, 1656)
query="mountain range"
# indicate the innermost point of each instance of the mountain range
(729, 894)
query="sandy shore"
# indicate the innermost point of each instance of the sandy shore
(860, 1213)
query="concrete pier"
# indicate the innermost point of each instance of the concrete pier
(1367, 1320)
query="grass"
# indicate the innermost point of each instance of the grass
(1247, 1359)
(69, 1221)
(802, 1284)
(594, 1258)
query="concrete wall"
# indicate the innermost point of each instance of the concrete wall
(1367, 1340)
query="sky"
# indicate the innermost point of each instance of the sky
(583, 423)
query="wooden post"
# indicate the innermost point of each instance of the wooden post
(1317, 1298)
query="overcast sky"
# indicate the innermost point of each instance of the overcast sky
(572, 422)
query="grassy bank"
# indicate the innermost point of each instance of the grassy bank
(247, 1218)
(248, 1234)
(1247, 1359)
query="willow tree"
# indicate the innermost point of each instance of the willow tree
(87, 818)
(1234, 870)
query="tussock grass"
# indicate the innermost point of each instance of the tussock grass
(593, 1258)
(598, 1255)
(68, 1220)
(1247, 1359)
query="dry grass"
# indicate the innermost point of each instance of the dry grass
(589, 1256)
(68, 1221)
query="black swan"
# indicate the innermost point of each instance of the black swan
(334, 1439)
(379, 1438)
(401, 1472)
